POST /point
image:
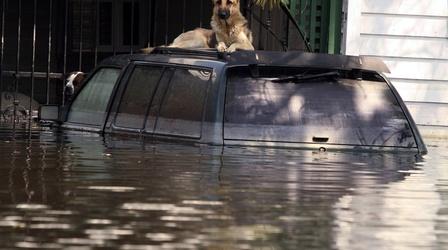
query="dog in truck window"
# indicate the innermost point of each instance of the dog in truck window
(229, 30)
(74, 82)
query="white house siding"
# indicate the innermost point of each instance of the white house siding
(411, 36)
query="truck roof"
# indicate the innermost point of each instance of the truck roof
(258, 57)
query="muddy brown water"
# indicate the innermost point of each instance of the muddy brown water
(74, 190)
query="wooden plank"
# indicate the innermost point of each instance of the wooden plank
(407, 7)
(422, 91)
(404, 25)
(411, 36)
(429, 113)
(404, 47)
(413, 69)
(433, 132)
(353, 26)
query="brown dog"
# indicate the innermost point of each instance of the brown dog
(197, 38)
(229, 30)
(230, 26)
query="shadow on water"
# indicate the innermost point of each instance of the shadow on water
(74, 189)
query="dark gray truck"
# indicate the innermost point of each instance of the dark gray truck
(246, 98)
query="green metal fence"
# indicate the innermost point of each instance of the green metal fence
(321, 23)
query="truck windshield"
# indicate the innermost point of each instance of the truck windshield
(320, 110)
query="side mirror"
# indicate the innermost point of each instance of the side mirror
(49, 113)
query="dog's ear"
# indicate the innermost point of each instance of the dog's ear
(236, 2)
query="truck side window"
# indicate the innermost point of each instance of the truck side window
(182, 107)
(137, 96)
(90, 105)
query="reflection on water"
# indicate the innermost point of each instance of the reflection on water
(80, 190)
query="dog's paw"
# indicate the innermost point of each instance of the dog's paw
(221, 47)
(231, 49)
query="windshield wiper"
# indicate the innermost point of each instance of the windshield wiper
(301, 78)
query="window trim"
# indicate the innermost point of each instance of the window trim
(122, 93)
(143, 131)
(109, 103)
(208, 82)
(415, 132)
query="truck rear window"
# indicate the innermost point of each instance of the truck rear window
(333, 111)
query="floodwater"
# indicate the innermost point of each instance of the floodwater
(75, 190)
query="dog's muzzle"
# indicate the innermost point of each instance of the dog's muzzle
(224, 14)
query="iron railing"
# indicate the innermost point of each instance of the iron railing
(42, 41)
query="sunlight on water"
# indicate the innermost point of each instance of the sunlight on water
(203, 203)
(112, 189)
(76, 190)
(50, 226)
(31, 206)
(99, 221)
(180, 218)
(107, 234)
(165, 207)
(249, 233)
(35, 245)
(81, 241)
(13, 224)
(160, 236)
